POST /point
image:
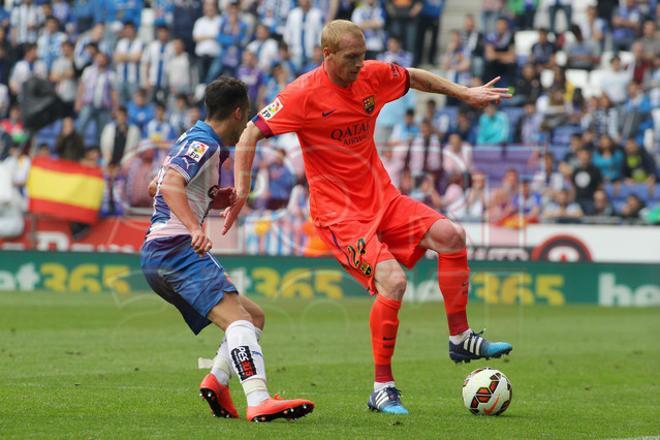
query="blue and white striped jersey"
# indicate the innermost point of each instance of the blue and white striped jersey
(197, 155)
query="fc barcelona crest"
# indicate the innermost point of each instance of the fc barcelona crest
(369, 104)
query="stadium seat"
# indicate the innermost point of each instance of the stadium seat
(561, 58)
(626, 58)
(562, 134)
(524, 42)
(547, 78)
(579, 78)
(48, 135)
(595, 80)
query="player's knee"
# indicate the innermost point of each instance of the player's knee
(258, 317)
(457, 239)
(395, 284)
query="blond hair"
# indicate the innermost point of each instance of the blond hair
(334, 31)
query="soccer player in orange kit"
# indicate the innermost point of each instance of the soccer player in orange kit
(370, 226)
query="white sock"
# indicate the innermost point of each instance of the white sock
(247, 360)
(380, 385)
(222, 362)
(459, 338)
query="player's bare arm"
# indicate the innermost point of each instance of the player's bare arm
(243, 159)
(479, 97)
(173, 189)
(153, 187)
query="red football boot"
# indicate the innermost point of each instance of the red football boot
(275, 408)
(218, 397)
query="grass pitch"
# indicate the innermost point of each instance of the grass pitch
(75, 366)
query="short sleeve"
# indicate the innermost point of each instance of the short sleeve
(190, 158)
(284, 115)
(393, 80)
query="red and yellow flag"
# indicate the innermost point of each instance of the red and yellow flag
(65, 189)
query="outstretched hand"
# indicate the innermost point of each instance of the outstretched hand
(232, 211)
(481, 96)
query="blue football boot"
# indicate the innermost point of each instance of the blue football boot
(387, 400)
(477, 347)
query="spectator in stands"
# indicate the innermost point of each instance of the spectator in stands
(581, 53)
(632, 207)
(457, 157)
(604, 119)
(119, 138)
(83, 15)
(96, 96)
(602, 206)
(11, 203)
(637, 116)
(554, 110)
(158, 130)
(562, 208)
(127, 57)
(155, 63)
(428, 24)
(396, 54)
(465, 128)
(542, 51)
(528, 87)
(586, 180)
(527, 203)
(13, 125)
(472, 205)
(425, 191)
(314, 61)
(548, 181)
(26, 19)
(184, 16)
(500, 205)
(638, 164)
(92, 157)
(139, 171)
(205, 32)
(286, 61)
(50, 41)
(423, 156)
(337, 9)
(280, 182)
(140, 111)
(403, 133)
(500, 54)
(62, 11)
(491, 11)
(523, 12)
(178, 113)
(278, 79)
(25, 69)
(456, 62)
(404, 16)
(614, 82)
(63, 76)
(273, 14)
(371, 19)
(625, 24)
(570, 160)
(232, 38)
(303, 31)
(528, 128)
(473, 41)
(608, 158)
(493, 127)
(554, 7)
(594, 28)
(649, 41)
(253, 77)
(84, 55)
(640, 67)
(264, 48)
(406, 182)
(69, 144)
(393, 164)
(178, 71)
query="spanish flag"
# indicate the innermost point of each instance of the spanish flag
(65, 189)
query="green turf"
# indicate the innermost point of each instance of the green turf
(83, 366)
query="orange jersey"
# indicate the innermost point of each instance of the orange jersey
(335, 127)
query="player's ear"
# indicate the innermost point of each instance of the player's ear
(238, 113)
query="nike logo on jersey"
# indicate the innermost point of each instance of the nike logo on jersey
(326, 114)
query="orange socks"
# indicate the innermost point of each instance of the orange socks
(384, 322)
(453, 278)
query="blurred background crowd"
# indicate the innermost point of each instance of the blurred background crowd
(579, 142)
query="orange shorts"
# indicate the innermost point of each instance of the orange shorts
(359, 245)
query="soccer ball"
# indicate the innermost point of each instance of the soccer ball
(486, 392)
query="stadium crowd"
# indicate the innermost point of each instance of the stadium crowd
(578, 142)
